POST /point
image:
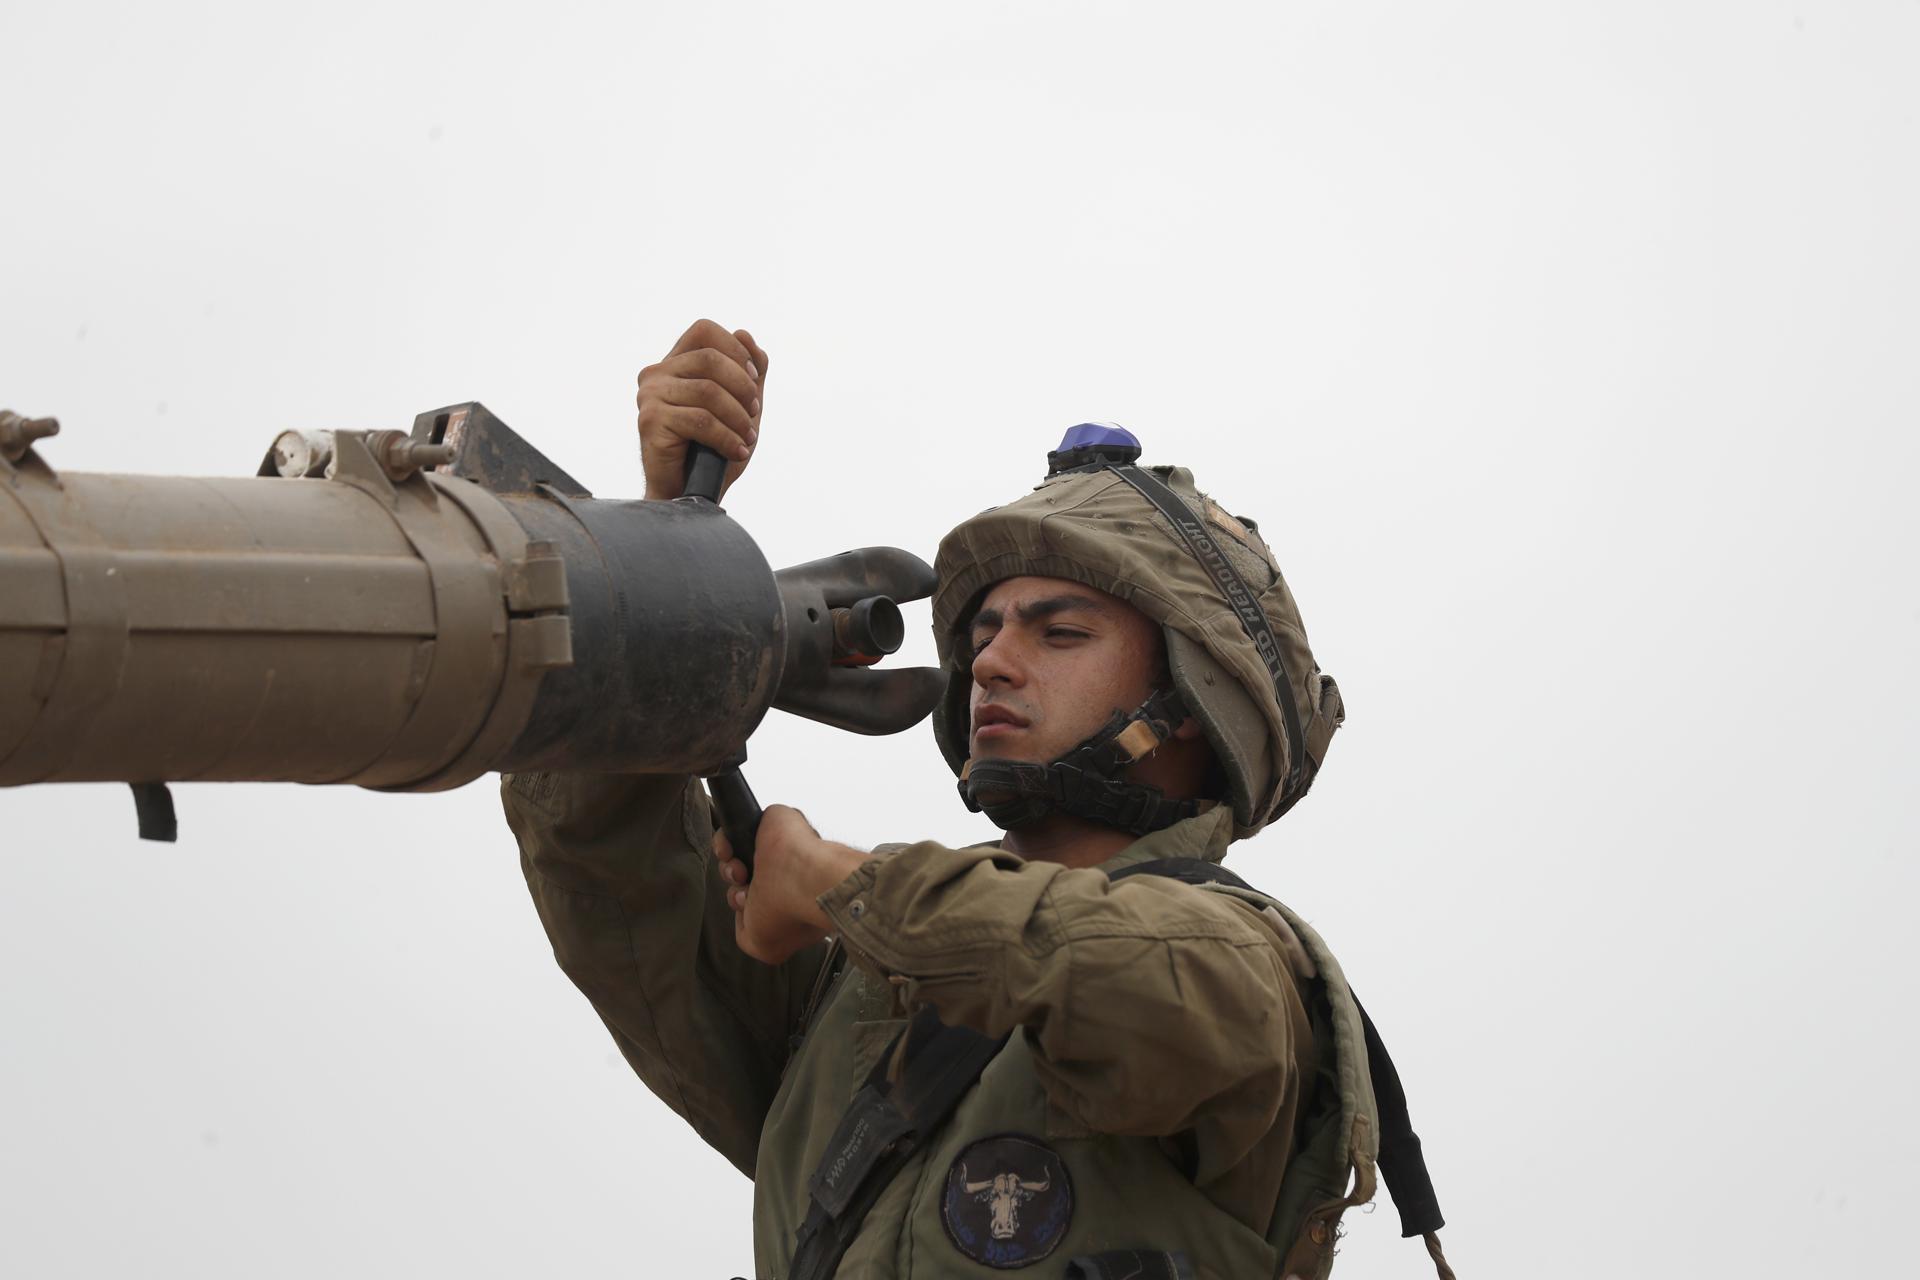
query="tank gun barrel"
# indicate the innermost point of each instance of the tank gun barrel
(406, 611)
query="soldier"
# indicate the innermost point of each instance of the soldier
(941, 1062)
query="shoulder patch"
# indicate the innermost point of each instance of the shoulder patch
(1008, 1201)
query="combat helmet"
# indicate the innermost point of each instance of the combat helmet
(1236, 649)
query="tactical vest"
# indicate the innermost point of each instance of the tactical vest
(1339, 1158)
(909, 1140)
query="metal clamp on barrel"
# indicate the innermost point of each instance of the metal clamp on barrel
(468, 652)
(83, 656)
(539, 629)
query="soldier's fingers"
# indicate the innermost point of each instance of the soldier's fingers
(718, 367)
(704, 333)
(667, 427)
(699, 393)
(732, 870)
(753, 350)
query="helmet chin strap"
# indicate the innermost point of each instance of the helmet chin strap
(1085, 782)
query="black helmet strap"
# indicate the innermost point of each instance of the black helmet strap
(1086, 781)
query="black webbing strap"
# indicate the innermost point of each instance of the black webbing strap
(153, 808)
(1086, 781)
(1246, 607)
(1026, 788)
(882, 1129)
(1402, 1165)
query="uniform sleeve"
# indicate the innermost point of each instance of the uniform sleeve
(623, 878)
(1153, 1007)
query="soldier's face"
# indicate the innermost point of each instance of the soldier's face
(1052, 662)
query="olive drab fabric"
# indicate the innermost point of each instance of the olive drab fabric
(1095, 528)
(1184, 1072)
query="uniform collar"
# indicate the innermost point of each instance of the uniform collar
(1204, 835)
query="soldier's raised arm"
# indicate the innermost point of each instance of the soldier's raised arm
(619, 866)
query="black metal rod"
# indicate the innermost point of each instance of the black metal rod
(739, 812)
(739, 809)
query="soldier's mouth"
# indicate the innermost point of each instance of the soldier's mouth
(990, 716)
(991, 723)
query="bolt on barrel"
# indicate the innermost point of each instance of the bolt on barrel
(17, 434)
(401, 455)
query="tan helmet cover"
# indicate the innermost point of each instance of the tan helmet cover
(1095, 528)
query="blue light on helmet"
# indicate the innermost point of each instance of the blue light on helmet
(1090, 445)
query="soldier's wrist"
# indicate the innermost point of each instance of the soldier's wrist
(836, 863)
(849, 878)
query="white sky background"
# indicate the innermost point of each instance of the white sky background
(1565, 354)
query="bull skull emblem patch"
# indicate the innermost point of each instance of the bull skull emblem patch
(1008, 1201)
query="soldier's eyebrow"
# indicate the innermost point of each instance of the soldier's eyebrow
(1039, 611)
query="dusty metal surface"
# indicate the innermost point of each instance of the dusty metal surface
(488, 452)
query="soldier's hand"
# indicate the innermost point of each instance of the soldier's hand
(775, 912)
(707, 390)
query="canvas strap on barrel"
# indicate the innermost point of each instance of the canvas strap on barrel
(1246, 607)
(1402, 1165)
(881, 1130)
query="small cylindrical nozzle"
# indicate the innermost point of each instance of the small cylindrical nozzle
(867, 631)
(17, 434)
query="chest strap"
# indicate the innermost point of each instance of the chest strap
(881, 1130)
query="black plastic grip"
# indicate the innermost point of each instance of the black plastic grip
(739, 812)
(706, 472)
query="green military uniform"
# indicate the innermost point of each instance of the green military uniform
(1167, 1048)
